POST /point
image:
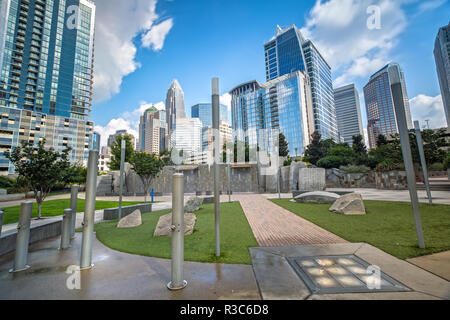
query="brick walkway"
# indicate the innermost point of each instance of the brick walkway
(275, 226)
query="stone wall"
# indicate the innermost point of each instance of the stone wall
(311, 179)
(391, 180)
(340, 179)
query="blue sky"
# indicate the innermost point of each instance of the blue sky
(142, 45)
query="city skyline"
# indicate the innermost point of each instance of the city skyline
(393, 42)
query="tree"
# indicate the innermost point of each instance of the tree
(75, 174)
(358, 145)
(283, 146)
(114, 164)
(315, 150)
(41, 168)
(381, 140)
(147, 166)
(166, 156)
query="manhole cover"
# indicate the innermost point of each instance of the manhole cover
(342, 274)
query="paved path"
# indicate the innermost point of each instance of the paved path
(438, 263)
(273, 225)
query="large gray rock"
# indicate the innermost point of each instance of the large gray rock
(349, 204)
(311, 179)
(317, 197)
(193, 204)
(130, 221)
(165, 222)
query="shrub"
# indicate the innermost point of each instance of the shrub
(6, 182)
(447, 162)
(389, 165)
(287, 162)
(436, 167)
(333, 162)
(355, 169)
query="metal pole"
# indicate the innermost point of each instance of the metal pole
(73, 206)
(215, 121)
(66, 229)
(177, 228)
(122, 163)
(277, 157)
(23, 237)
(407, 157)
(229, 180)
(89, 212)
(422, 160)
(1, 222)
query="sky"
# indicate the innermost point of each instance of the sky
(142, 45)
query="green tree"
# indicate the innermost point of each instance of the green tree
(40, 168)
(147, 166)
(358, 145)
(283, 146)
(166, 156)
(315, 150)
(75, 174)
(114, 164)
(381, 140)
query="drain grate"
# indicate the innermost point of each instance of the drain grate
(341, 274)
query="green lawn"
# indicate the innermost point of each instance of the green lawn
(52, 208)
(236, 236)
(387, 225)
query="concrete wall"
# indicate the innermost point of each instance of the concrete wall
(391, 180)
(340, 179)
(311, 179)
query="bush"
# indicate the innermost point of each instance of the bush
(6, 182)
(436, 167)
(389, 165)
(355, 169)
(287, 162)
(447, 162)
(333, 162)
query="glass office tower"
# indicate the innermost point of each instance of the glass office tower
(380, 103)
(442, 58)
(283, 104)
(289, 52)
(348, 113)
(203, 111)
(46, 72)
(152, 131)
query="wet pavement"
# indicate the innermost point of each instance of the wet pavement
(118, 275)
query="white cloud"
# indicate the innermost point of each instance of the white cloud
(225, 99)
(424, 107)
(156, 35)
(339, 29)
(128, 120)
(118, 22)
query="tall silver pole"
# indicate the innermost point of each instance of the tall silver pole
(407, 157)
(423, 160)
(177, 228)
(73, 206)
(215, 121)
(23, 237)
(122, 164)
(89, 212)
(277, 155)
(66, 229)
(229, 180)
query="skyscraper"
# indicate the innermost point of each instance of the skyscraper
(203, 111)
(152, 131)
(283, 104)
(380, 103)
(112, 137)
(289, 52)
(174, 106)
(442, 58)
(187, 136)
(348, 113)
(46, 74)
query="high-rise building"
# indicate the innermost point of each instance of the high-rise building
(46, 75)
(225, 135)
(442, 58)
(96, 142)
(187, 135)
(348, 113)
(283, 104)
(289, 52)
(152, 131)
(203, 111)
(174, 106)
(380, 103)
(112, 137)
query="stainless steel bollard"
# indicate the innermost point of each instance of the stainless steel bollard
(177, 282)
(23, 237)
(66, 229)
(73, 206)
(217, 153)
(1, 222)
(89, 212)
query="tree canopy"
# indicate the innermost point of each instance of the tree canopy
(114, 164)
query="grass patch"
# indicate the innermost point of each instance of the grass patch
(236, 236)
(387, 225)
(53, 208)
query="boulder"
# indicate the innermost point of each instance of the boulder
(165, 222)
(319, 197)
(349, 204)
(130, 221)
(193, 204)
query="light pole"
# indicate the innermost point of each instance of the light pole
(215, 121)
(422, 160)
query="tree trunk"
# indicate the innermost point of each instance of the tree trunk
(39, 209)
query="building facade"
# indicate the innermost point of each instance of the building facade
(174, 107)
(289, 52)
(46, 69)
(225, 136)
(152, 131)
(203, 111)
(442, 58)
(96, 141)
(380, 103)
(112, 138)
(348, 113)
(280, 105)
(187, 136)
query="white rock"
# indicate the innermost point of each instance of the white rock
(130, 221)
(349, 204)
(165, 222)
(317, 197)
